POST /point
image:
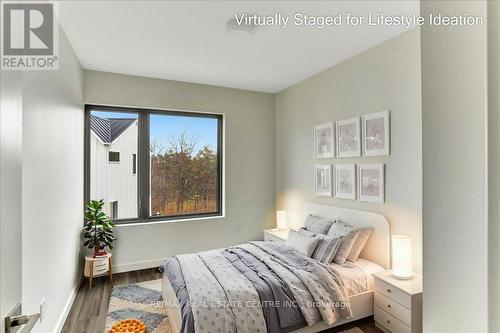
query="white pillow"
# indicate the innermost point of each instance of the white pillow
(306, 232)
(302, 243)
(318, 225)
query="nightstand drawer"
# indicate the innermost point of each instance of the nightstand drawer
(393, 293)
(393, 308)
(389, 322)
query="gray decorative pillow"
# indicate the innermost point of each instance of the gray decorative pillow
(348, 235)
(306, 232)
(344, 249)
(326, 249)
(339, 229)
(359, 244)
(302, 243)
(318, 225)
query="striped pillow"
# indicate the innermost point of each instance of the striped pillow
(348, 234)
(326, 249)
(345, 247)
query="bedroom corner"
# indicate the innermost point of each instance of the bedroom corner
(270, 167)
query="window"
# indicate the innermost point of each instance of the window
(111, 134)
(114, 156)
(113, 210)
(184, 165)
(176, 156)
(134, 164)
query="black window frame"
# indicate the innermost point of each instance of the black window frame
(134, 164)
(143, 161)
(114, 208)
(113, 152)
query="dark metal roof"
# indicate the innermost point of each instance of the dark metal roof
(108, 129)
(101, 127)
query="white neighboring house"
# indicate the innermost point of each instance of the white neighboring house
(113, 165)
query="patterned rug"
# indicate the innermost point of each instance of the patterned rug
(353, 330)
(138, 301)
(143, 301)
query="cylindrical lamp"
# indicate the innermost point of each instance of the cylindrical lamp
(281, 219)
(401, 257)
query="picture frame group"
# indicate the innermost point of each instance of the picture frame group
(368, 135)
(364, 182)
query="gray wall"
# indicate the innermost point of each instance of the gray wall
(454, 111)
(494, 162)
(52, 196)
(386, 77)
(249, 165)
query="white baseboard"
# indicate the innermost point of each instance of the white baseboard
(67, 307)
(136, 265)
(133, 266)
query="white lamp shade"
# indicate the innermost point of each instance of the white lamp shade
(401, 257)
(281, 219)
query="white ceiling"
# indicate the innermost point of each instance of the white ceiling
(187, 40)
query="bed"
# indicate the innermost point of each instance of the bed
(355, 278)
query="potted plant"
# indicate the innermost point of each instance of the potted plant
(98, 229)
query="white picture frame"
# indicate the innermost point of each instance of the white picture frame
(345, 181)
(324, 141)
(323, 180)
(371, 181)
(376, 134)
(348, 137)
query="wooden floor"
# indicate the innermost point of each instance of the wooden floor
(88, 313)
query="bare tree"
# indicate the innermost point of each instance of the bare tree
(181, 178)
(182, 147)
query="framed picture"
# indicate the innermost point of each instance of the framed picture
(324, 141)
(376, 134)
(371, 182)
(348, 137)
(323, 180)
(345, 181)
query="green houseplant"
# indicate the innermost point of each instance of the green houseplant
(98, 229)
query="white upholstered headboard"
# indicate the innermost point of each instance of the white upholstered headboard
(377, 249)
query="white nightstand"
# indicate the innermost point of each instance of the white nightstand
(98, 266)
(276, 235)
(398, 303)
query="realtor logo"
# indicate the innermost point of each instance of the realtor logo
(29, 36)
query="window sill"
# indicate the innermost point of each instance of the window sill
(184, 220)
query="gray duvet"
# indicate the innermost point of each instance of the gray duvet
(254, 287)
